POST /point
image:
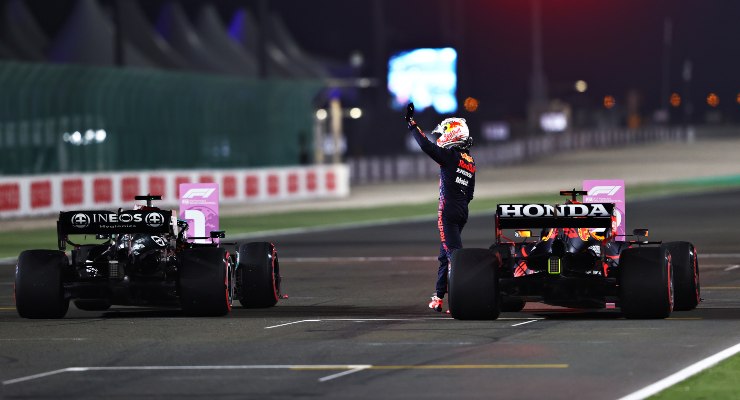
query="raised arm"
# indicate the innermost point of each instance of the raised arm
(432, 150)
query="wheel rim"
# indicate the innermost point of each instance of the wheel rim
(275, 281)
(695, 268)
(669, 265)
(229, 282)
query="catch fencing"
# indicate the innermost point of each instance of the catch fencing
(72, 118)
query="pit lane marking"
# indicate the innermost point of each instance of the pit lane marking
(345, 369)
(731, 267)
(392, 319)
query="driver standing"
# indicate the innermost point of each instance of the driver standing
(456, 185)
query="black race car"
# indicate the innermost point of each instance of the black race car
(578, 261)
(143, 257)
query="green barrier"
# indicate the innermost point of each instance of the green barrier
(152, 119)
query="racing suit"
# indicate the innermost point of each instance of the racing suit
(456, 186)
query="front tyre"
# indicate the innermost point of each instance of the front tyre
(258, 275)
(646, 282)
(473, 284)
(685, 275)
(205, 287)
(39, 284)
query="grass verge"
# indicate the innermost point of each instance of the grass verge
(718, 382)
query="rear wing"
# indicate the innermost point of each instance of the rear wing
(109, 222)
(523, 216)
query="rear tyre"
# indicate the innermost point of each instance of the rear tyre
(646, 282)
(39, 284)
(473, 284)
(258, 275)
(205, 281)
(685, 275)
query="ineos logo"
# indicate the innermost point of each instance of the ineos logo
(155, 220)
(80, 221)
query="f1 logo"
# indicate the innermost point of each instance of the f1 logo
(203, 193)
(607, 190)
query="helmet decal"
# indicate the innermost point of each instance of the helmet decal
(453, 132)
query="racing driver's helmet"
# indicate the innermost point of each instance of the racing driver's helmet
(453, 132)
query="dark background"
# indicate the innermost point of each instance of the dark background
(618, 47)
(613, 45)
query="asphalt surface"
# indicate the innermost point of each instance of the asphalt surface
(356, 326)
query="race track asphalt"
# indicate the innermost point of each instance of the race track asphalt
(356, 326)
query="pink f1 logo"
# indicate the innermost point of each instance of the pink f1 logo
(608, 191)
(198, 193)
(199, 207)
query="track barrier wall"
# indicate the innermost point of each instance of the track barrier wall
(38, 195)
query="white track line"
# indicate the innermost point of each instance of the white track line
(350, 369)
(292, 323)
(731, 267)
(683, 374)
(392, 320)
(36, 376)
(719, 255)
(525, 322)
(345, 369)
(354, 320)
(340, 374)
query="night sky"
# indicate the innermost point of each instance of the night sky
(615, 46)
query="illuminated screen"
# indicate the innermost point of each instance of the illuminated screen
(428, 77)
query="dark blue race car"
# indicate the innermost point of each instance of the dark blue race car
(143, 257)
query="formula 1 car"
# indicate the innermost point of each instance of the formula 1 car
(578, 262)
(145, 259)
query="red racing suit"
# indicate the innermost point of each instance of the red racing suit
(456, 186)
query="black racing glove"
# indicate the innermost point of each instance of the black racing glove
(410, 116)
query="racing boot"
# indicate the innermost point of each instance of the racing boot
(436, 303)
